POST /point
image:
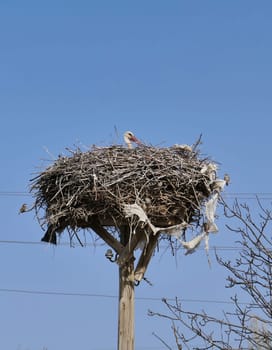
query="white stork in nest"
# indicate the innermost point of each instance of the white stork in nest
(129, 137)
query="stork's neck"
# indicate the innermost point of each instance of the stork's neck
(128, 142)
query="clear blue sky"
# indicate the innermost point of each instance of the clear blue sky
(168, 70)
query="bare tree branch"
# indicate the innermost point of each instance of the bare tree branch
(247, 326)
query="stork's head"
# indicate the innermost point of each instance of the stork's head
(130, 137)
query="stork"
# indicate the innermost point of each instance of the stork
(129, 137)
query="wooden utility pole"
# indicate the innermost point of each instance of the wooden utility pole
(126, 298)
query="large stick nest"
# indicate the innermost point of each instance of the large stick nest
(168, 183)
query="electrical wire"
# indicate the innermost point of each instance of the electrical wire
(65, 244)
(109, 296)
(15, 194)
(68, 244)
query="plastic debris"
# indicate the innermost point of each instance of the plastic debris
(135, 209)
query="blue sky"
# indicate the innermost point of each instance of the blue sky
(72, 71)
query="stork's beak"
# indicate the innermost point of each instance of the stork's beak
(134, 139)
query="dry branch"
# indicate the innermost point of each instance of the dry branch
(145, 258)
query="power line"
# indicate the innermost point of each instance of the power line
(68, 244)
(15, 194)
(109, 296)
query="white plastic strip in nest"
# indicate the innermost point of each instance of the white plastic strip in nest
(184, 147)
(210, 209)
(135, 209)
(209, 170)
(193, 243)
